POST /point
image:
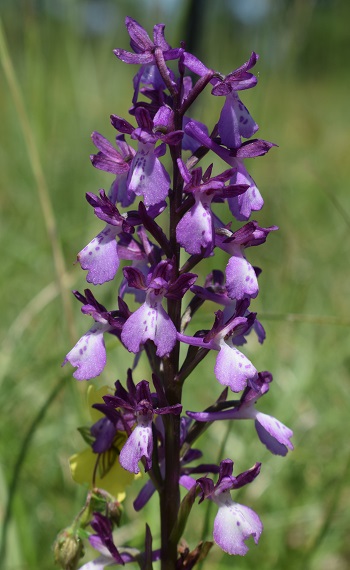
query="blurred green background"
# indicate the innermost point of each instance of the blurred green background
(66, 83)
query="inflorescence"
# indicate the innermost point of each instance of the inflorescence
(142, 424)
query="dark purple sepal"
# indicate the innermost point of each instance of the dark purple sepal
(114, 417)
(123, 309)
(89, 299)
(103, 528)
(207, 487)
(252, 149)
(134, 278)
(144, 119)
(178, 289)
(247, 476)
(108, 159)
(104, 432)
(238, 79)
(259, 387)
(107, 211)
(121, 125)
(150, 225)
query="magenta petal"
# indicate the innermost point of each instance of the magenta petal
(241, 280)
(195, 229)
(89, 354)
(233, 524)
(233, 368)
(139, 444)
(100, 256)
(148, 176)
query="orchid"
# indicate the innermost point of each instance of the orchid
(89, 354)
(183, 215)
(232, 367)
(272, 433)
(139, 402)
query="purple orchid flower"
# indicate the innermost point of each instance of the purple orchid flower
(140, 403)
(241, 279)
(148, 52)
(147, 176)
(234, 523)
(100, 257)
(103, 542)
(215, 290)
(195, 231)
(150, 321)
(242, 205)
(272, 433)
(143, 46)
(135, 426)
(116, 162)
(148, 254)
(89, 354)
(232, 367)
(235, 121)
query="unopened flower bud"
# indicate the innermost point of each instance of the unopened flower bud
(114, 510)
(68, 549)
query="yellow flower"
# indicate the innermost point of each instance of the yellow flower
(83, 465)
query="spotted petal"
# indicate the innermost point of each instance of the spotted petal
(139, 444)
(241, 279)
(149, 322)
(148, 177)
(233, 524)
(89, 354)
(195, 229)
(235, 122)
(100, 257)
(233, 368)
(251, 200)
